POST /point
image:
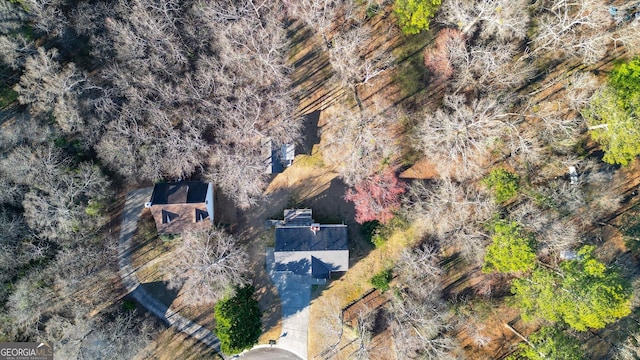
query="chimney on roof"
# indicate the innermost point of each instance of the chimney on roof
(315, 228)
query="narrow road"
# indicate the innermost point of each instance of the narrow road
(130, 215)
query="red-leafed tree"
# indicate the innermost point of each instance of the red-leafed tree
(376, 197)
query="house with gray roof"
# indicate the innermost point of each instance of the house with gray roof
(305, 247)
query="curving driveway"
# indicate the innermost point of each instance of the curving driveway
(129, 222)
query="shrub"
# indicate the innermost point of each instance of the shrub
(167, 237)
(382, 279)
(503, 183)
(373, 10)
(94, 208)
(238, 321)
(382, 232)
(369, 229)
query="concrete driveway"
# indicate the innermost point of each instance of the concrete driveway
(295, 297)
(130, 215)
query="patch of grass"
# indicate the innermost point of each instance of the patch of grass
(542, 200)
(167, 237)
(310, 161)
(373, 10)
(128, 305)
(630, 228)
(412, 76)
(7, 96)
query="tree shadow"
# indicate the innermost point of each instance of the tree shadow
(310, 132)
(159, 290)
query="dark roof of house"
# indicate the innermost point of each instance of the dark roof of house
(301, 238)
(184, 192)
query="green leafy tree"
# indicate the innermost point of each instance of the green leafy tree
(599, 295)
(614, 127)
(549, 343)
(238, 321)
(415, 15)
(625, 79)
(584, 293)
(503, 183)
(511, 250)
(382, 279)
(612, 115)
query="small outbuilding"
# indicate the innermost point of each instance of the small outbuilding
(182, 206)
(277, 158)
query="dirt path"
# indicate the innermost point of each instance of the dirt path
(130, 215)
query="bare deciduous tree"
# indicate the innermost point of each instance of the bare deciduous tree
(319, 15)
(50, 88)
(55, 205)
(359, 142)
(122, 336)
(208, 265)
(362, 347)
(357, 57)
(153, 150)
(577, 28)
(177, 94)
(241, 175)
(626, 34)
(453, 213)
(504, 20)
(14, 51)
(330, 324)
(459, 137)
(488, 67)
(419, 317)
(580, 88)
(48, 14)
